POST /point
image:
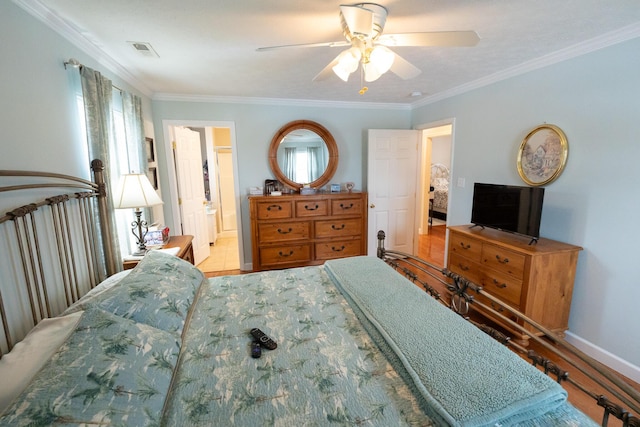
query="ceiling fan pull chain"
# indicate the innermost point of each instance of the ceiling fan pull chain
(364, 88)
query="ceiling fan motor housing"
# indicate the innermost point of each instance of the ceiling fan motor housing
(363, 20)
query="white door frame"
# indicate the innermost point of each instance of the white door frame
(424, 127)
(171, 171)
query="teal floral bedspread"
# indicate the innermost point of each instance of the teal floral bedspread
(111, 371)
(166, 347)
(325, 370)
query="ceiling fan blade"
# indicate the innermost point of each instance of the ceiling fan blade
(326, 71)
(358, 19)
(436, 38)
(304, 45)
(403, 68)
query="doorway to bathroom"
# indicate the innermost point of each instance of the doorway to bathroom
(220, 194)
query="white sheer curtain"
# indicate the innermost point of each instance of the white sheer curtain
(290, 163)
(315, 162)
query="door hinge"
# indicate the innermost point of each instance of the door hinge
(173, 145)
(179, 201)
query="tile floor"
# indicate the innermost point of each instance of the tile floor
(222, 256)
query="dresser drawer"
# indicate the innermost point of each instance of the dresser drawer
(465, 267)
(495, 306)
(503, 260)
(346, 207)
(466, 246)
(283, 231)
(502, 285)
(309, 208)
(338, 227)
(341, 249)
(276, 209)
(285, 254)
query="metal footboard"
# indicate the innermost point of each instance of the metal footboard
(459, 294)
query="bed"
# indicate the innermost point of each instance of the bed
(358, 343)
(439, 196)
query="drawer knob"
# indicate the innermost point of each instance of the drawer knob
(311, 208)
(463, 267)
(501, 260)
(343, 206)
(497, 307)
(498, 284)
(278, 207)
(334, 249)
(285, 255)
(285, 232)
(463, 246)
(333, 226)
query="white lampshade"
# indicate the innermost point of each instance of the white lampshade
(348, 61)
(380, 61)
(135, 191)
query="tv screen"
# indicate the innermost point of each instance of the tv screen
(508, 207)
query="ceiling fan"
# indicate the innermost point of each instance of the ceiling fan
(362, 26)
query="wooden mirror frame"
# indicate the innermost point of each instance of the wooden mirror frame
(323, 133)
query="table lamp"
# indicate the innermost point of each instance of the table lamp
(135, 191)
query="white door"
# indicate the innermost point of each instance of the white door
(189, 173)
(391, 184)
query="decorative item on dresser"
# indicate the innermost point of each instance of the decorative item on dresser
(296, 230)
(534, 279)
(183, 243)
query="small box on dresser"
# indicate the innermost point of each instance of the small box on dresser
(536, 279)
(297, 230)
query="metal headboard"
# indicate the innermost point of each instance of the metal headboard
(59, 247)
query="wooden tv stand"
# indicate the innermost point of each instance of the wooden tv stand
(536, 279)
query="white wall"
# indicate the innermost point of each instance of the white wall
(595, 203)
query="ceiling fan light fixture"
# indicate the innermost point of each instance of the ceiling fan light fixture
(380, 61)
(348, 62)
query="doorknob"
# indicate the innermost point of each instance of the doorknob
(372, 206)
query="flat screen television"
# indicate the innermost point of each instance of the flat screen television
(511, 208)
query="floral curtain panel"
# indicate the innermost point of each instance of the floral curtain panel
(97, 95)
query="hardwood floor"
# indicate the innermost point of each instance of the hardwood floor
(431, 247)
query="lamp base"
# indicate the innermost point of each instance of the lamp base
(140, 252)
(138, 225)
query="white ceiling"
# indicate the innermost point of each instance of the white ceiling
(207, 48)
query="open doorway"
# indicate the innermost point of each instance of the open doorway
(434, 187)
(221, 195)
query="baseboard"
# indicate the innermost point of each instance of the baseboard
(611, 360)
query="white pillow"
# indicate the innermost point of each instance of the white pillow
(20, 365)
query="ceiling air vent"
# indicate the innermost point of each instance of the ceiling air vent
(144, 48)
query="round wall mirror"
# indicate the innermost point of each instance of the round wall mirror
(303, 152)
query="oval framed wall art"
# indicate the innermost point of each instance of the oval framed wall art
(542, 155)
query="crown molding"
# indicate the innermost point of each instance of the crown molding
(279, 101)
(622, 35)
(81, 40)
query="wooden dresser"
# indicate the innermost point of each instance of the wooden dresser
(536, 279)
(296, 230)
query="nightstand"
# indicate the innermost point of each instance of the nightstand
(182, 242)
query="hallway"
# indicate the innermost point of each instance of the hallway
(223, 256)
